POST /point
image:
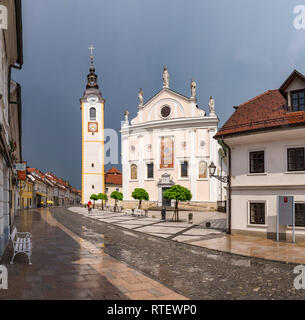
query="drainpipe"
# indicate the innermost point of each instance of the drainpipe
(229, 188)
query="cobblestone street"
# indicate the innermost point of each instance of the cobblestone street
(66, 266)
(79, 258)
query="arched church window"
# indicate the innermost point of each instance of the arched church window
(203, 170)
(133, 172)
(92, 113)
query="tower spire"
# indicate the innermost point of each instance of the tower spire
(92, 77)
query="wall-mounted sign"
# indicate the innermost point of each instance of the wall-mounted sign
(20, 166)
(285, 214)
(21, 174)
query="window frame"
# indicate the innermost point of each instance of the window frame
(287, 159)
(90, 118)
(147, 170)
(249, 213)
(133, 179)
(291, 98)
(182, 162)
(250, 152)
(198, 169)
(295, 205)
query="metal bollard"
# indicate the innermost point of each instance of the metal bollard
(190, 217)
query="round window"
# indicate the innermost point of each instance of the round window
(165, 111)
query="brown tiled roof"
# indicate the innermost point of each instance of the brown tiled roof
(113, 176)
(114, 170)
(264, 112)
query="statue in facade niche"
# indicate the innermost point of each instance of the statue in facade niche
(212, 105)
(140, 95)
(193, 89)
(165, 77)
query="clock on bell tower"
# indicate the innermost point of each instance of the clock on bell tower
(92, 108)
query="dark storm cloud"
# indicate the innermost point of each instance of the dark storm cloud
(233, 49)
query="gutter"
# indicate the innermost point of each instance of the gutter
(229, 189)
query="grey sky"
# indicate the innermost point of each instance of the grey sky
(233, 49)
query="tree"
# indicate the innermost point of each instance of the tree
(117, 196)
(94, 197)
(177, 193)
(140, 194)
(103, 197)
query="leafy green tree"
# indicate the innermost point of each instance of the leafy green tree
(117, 196)
(103, 197)
(177, 193)
(94, 197)
(140, 194)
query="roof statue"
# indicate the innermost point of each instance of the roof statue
(165, 78)
(212, 106)
(140, 96)
(193, 89)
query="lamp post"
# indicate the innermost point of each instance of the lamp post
(212, 169)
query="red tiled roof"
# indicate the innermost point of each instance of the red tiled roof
(266, 111)
(114, 170)
(113, 176)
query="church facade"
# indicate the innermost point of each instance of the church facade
(92, 109)
(170, 141)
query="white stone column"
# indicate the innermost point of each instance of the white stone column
(193, 107)
(141, 164)
(192, 133)
(140, 114)
(125, 165)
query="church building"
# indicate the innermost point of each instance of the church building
(92, 109)
(170, 141)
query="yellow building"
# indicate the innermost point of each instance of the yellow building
(26, 194)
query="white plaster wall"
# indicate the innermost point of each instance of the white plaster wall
(267, 186)
(204, 190)
(93, 153)
(276, 172)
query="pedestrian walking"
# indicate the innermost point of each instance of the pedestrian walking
(89, 204)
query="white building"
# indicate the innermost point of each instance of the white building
(266, 137)
(92, 108)
(10, 57)
(170, 141)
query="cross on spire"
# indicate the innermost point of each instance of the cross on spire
(91, 48)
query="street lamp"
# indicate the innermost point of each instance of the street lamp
(212, 169)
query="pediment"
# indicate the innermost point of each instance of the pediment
(166, 92)
(179, 105)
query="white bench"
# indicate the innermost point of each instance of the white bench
(127, 212)
(22, 243)
(138, 212)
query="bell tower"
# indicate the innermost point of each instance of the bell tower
(92, 109)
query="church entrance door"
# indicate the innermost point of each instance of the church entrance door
(165, 202)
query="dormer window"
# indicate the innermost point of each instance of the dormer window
(298, 100)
